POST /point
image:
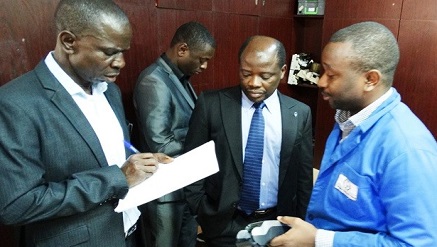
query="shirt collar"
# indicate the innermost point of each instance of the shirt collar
(270, 101)
(174, 68)
(342, 116)
(66, 81)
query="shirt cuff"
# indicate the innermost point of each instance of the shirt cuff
(324, 238)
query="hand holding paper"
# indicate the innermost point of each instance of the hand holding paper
(141, 166)
(184, 170)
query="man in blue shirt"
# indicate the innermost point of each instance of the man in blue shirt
(376, 186)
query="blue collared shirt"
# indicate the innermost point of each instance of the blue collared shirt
(377, 186)
(272, 145)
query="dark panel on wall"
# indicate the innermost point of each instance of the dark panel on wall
(144, 43)
(419, 10)
(24, 41)
(415, 78)
(273, 8)
(278, 8)
(230, 31)
(416, 75)
(375, 9)
(185, 4)
(281, 31)
(141, 54)
(308, 36)
(247, 7)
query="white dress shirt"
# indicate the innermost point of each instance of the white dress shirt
(102, 118)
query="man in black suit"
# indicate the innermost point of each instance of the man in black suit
(225, 117)
(62, 127)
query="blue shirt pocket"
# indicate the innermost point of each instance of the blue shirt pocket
(350, 193)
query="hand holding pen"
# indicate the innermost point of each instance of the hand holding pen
(140, 166)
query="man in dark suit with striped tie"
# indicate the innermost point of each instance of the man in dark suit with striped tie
(260, 178)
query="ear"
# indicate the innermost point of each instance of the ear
(67, 41)
(182, 49)
(283, 70)
(373, 78)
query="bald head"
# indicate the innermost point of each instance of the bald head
(262, 66)
(264, 45)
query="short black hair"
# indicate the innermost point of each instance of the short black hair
(374, 46)
(79, 16)
(195, 35)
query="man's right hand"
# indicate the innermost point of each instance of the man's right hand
(301, 234)
(139, 167)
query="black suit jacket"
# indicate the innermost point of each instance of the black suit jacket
(217, 116)
(54, 176)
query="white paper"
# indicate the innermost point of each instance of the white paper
(186, 169)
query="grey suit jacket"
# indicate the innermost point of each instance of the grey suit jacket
(217, 117)
(54, 177)
(163, 109)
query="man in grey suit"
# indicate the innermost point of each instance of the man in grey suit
(62, 127)
(164, 100)
(285, 166)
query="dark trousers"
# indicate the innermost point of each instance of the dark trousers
(168, 224)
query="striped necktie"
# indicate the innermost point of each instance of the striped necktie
(249, 200)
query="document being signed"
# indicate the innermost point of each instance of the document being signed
(186, 169)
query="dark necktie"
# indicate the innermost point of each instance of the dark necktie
(249, 200)
(186, 84)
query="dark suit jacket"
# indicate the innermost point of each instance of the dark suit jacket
(54, 177)
(163, 109)
(217, 117)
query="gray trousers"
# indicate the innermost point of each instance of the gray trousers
(169, 224)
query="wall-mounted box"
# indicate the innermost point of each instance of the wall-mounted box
(311, 7)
